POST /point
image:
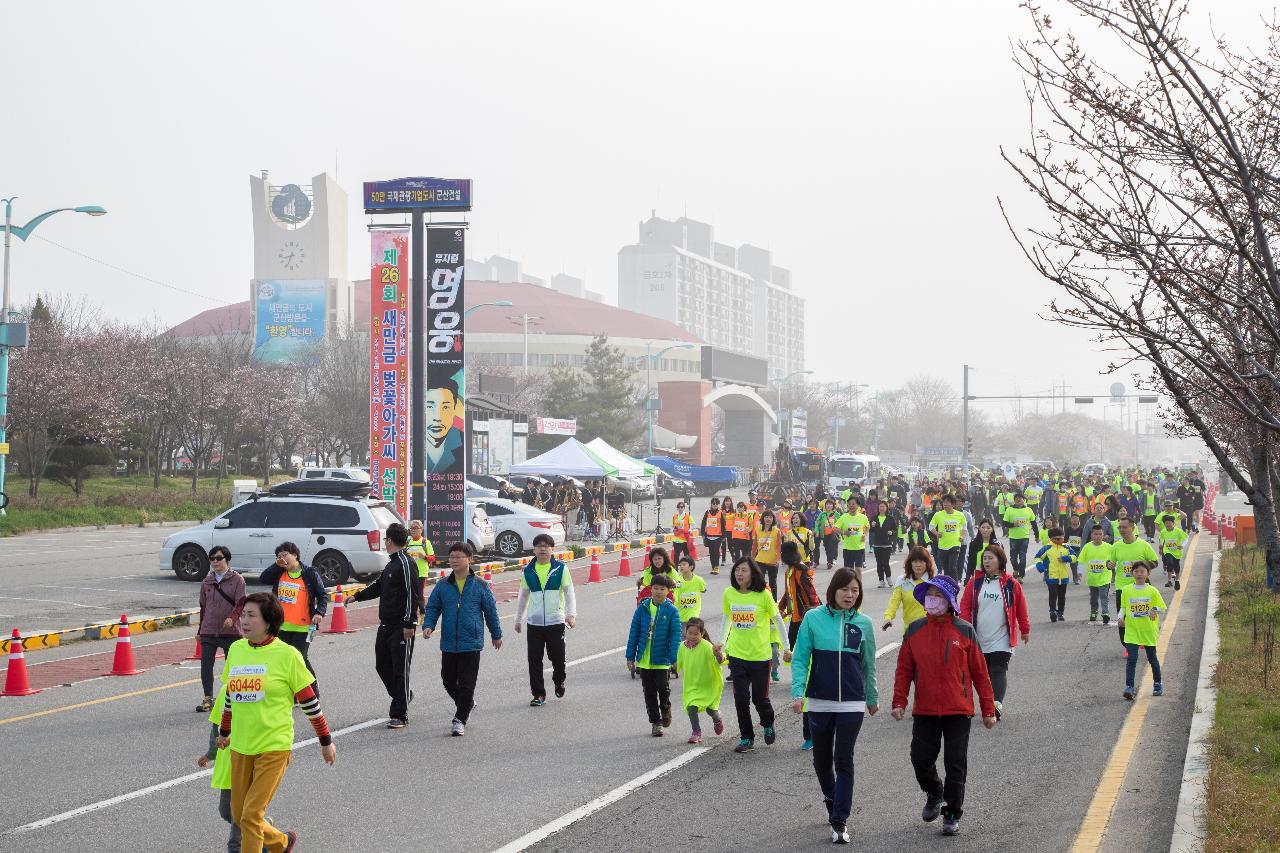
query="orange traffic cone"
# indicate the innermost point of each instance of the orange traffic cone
(123, 664)
(488, 575)
(624, 567)
(594, 575)
(338, 622)
(648, 549)
(15, 680)
(196, 654)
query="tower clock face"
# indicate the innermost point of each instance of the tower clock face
(291, 256)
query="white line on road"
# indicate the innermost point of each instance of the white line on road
(172, 783)
(55, 601)
(123, 591)
(524, 842)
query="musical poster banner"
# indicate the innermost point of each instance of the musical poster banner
(389, 367)
(445, 417)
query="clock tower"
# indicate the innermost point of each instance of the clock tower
(300, 290)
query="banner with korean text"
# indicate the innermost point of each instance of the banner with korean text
(444, 423)
(389, 367)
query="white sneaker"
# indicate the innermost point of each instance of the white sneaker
(458, 729)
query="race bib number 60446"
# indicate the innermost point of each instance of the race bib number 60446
(247, 683)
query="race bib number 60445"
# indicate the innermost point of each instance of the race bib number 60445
(743, 616)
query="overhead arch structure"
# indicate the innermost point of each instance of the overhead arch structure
(739, 398)
(749, 423)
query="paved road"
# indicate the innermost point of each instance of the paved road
(519, 768)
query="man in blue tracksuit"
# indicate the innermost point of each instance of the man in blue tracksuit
(652, 645)
(466, 604)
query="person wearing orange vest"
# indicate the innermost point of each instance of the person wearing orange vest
(713, 532)
(681, 532)
(784, 517)
(302, 595)
(1064, 501)
(740, 525)
(1080, 504)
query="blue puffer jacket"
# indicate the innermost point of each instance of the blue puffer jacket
(464, 615)
(666, 634)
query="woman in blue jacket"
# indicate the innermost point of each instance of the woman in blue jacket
(834, 667)
(466, 604)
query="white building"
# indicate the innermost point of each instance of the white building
(730, 297)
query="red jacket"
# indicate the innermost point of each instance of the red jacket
(941, 655)
(1015, 605)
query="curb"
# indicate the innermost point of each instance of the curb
(95, 527)
(1189, 829)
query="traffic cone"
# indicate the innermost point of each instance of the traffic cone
(594, 575)
(648, 549)
(15, 680)
(196, 654)
(123, 664)
(338, 622)
(624, 567)
(488, 575)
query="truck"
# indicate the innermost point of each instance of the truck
(845, 469)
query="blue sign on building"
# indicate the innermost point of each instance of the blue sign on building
(418, 194)
(289, 321)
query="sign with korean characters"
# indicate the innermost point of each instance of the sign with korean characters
(444, 423)
(389, 367)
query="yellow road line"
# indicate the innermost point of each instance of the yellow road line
(99, 701)
(1097, 818)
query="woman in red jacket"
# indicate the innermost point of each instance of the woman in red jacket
(994, 605)
(940, 653)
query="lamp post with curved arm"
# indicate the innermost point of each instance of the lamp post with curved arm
(501, 303)
(14, 334)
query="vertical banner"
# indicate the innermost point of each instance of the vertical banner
(389, 367)
(444, 424)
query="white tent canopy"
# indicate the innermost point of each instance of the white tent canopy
(572, 458)
(627, 467)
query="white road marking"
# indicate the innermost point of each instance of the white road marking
(122, 591)
(590, 658)
(57, 601)
(524, 842)
(172, 783)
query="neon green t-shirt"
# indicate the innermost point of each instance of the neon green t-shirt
(1125, 554)
(261, 682)
(1140, 607)
(749, 615)
(1095, 560)
(853, 527)
(419, 550)
(221, 780)
(949, 525)
(1019, 520)
(701, 682)
(689, 597)
(1171, 541)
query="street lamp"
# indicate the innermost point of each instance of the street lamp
(525, 319)
(781, 382)
(501, 303)
(6, 314)
(648, 373)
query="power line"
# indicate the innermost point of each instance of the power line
(131, 273)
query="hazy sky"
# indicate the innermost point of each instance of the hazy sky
(858, 141)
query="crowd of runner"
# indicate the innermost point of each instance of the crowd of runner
(959, 594)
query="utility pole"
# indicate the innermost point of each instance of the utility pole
(964, 439)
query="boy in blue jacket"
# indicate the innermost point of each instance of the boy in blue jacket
(652, 647)
(466, 604)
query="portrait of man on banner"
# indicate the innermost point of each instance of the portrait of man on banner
(444, 426)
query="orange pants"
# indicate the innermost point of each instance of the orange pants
(254, 780)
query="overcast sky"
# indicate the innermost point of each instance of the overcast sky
(858, 141)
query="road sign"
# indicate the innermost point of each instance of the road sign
(941, 452)
(1117, 390)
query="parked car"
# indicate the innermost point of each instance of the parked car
(480, 531)
(358, 474)
(336, 524)
(475, 490)
(515, 524)
(634, 488)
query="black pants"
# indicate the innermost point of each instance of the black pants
(739, 548)
(928, 735)
(883, 553)
(677, 549)
(834, 736)
(1057, 597)
(949, 562)
(393, 658)
(793, 631)
(458, 672)
(832, 545)
(657, 693)
(998, 668)
(1018, 556)
(208, 650)
(1170, 564)
(715, 547)
(551, 639)
(751, 687)
(1149, 526)
(771, 577)
(298, 639)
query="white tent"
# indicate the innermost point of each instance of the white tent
(572, 458)
(627, 467)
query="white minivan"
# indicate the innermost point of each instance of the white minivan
(1095, 469)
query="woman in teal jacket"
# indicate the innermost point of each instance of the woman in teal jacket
(834, 667)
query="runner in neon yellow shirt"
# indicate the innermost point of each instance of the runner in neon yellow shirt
(1140, 608)
(1172, 539)
(749, 610)
(1125, 553)
(1096, 562)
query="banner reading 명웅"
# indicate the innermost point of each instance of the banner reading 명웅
(389, 367)
(444, 425)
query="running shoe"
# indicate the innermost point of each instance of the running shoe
(559, 691)
(1105, 618)
(999, 708)
(745, 745)
(770, 736)
(1093, 617)
(458, 729)
(951, 826)
(291, 842)
(666, 718)
(839, 834)
(807, 745)
(1053, 616)
(1168, 584)
(656, 730)
(718, 727)
(397, 723)
(774, 674)
(932, 808)
(1157, 689)
(715, 571)
(1128, 693)
(696, 737)
(537, 701)
(1177, 584)
(205, 706)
